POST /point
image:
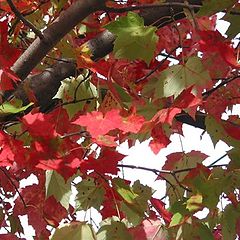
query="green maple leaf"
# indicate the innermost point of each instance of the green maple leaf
(89, 195)
(55, 185)
(74, 231)
(217, 132)
(77, 90)
(112, 228)
(135, 199)
(175, 79)
(134, 40)
(211, 7)
(234, 20)
(230, 217)
(13, 107)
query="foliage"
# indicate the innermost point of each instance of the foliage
(143, 81)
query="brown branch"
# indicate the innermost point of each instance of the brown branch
(77, 101)
(53, 34)
(24, 20)
(79, 133)
(99, 47)
(151, 6)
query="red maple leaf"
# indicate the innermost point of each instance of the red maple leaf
(106, 163)
(53, 212)
(149, 229)
(8, 55)
(10, 150)
(99, 124)
(160, 207)
(38, 125)
(160, 140)
(213, 41)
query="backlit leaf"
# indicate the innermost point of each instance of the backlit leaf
(89, 195)
(57, 187)
(141, 41)
(175, 79)
(74, 231)
(210, 7)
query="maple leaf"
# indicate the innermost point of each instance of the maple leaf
(160, 207)
(53, 212)
(83, 56)
(74, 230)
(105, 163)
(213, 41)
(141, 42)
(149, 229)
(89, 194)
(9, 236)
(37, 125)
(98, 124)
(56, 186)
(212, 6)
(10, 150)
(175, 79)
(160, 140)
(112, 228)
(8, 55)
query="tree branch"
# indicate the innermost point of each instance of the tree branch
(53, 34)
(151, 6)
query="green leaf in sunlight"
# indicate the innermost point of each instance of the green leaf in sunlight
(89, 195)
(78, 91)
(74, 231)
(175, 79)
(56, 186)
(135, 199)
(194, 203)
(13, 107)
(112, 228)
(134, 40)
(211, 7)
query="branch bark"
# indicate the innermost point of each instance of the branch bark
(46, 84)
(53, 34)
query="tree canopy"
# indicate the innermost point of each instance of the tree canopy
(80, 77)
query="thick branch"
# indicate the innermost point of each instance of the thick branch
(53, 34)
(46, 84)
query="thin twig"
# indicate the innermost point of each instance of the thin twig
(209, 92)
(77, 101)
(24, 20)
(14, 185)
(147, 6)
(81, 133)
(79, 84)
(216, 161)
(156, 68)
